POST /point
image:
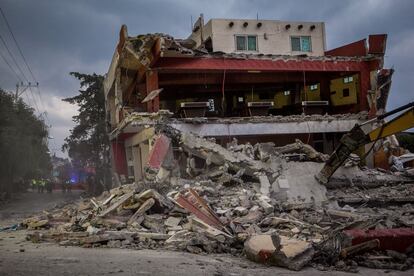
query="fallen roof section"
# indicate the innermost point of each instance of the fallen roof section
(265, 125)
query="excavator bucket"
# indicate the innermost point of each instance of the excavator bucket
(348, 144)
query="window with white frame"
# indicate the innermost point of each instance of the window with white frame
(348, 79)
(313, 87)
(286, 92)
(246, 42)
(301, 43)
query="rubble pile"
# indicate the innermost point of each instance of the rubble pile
(260, 201)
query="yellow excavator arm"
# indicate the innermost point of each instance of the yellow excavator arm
(356, 137)
(398, 124)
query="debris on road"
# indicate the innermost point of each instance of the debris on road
(256, 202)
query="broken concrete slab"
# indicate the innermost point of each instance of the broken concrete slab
(142, 209)
(117, 204)
(161, 201)
(264, 185)
(279, 250)
(297, 183)
(263, 201)
(172, 221)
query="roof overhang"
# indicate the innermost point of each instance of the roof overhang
(260, 65)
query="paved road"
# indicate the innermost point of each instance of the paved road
(20, 257)
(27, 204)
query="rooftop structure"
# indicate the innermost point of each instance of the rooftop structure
(260, 36)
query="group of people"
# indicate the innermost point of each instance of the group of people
(67, 186)
(41, 185)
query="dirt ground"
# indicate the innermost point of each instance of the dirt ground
(20, 257)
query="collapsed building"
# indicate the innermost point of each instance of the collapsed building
(217, 140)
(253, 80)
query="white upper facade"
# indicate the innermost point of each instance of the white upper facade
(261, 36)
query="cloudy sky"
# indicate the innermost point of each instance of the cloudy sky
(58, 37)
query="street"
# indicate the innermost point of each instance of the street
(20, 257)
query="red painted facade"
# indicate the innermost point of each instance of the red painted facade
(354, 49)
(159, 151)
(119, 156)
(377, 44)
(279, 65)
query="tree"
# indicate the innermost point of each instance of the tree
(406, 140)
(88, 143)
(23, 143)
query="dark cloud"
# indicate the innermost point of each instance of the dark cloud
(62, 36)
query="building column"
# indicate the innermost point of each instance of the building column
(364, 86)
(152, 84)
(136, 155)
(325, 89)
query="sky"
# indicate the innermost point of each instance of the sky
(58, 37)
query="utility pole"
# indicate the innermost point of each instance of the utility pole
(22, 87)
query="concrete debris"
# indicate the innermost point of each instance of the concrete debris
(279, 250)
(256, 200)
(300, 147)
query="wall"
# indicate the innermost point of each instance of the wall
(272, 37)
(338, 85)
(119, 159)
(311, 95)
(207, 32)
(280, 100)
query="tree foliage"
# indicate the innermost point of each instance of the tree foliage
(23, 143)
(88, 143)
(406, 140)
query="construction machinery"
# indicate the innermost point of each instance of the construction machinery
(363, 134)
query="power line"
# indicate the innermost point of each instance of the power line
(17, 44)
(11, 68)
(28, 99)
(24, 58)
(13, 58)
(34, 100)
(28, 68)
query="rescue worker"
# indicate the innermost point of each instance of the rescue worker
(69, 186)
(42, 184)
(39, 185)
(34, 185)
(49, 186)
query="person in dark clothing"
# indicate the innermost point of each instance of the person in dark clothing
(49, 186)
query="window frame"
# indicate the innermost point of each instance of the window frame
(246, 42)
(348, 79)
(313, 87)
(286, 92)
(300, 43)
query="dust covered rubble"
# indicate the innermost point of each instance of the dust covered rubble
(239, 198)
